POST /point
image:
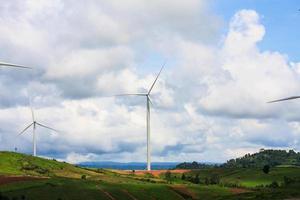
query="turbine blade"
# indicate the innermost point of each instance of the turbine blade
(13, 65)
(156, 78)
(285, 99)
(32, 111)
(136, 94)
(47, 127)
(25, 129)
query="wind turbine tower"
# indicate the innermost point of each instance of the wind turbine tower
(34, 124)
(148, 105)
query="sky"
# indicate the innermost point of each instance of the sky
(224, 60)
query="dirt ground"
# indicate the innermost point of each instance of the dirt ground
(158, 172)
(13, 179)
(239, 190)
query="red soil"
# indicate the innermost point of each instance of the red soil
(158, 172)
(13, 179)
(239, 190)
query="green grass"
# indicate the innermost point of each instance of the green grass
(64, 182)
(249, 177)
(20, 164)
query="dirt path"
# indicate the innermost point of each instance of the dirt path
(183, 192)
(12, 179)
(107, 194)
(130, 195)
(156, 173)
(239, 190)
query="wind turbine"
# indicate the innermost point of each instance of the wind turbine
(147, 95)
(34, 124)
(13, 65)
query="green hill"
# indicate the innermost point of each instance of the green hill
(265, 157)
(20, 164)
(59, 180)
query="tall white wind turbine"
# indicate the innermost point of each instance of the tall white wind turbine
(147, 95)
(34, 124)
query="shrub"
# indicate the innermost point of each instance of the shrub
(214, 179)
(288, 181)
(206, 181)
(83, 177)
(168, 176)
(197, 179)
(183, 177)
(266, 169)
(274, 184)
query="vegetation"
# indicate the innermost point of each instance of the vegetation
(51, 179)
(270, 157)
(193, 165)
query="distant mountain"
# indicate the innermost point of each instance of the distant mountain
(265, 157)
(128, 166)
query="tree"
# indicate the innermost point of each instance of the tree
(197, 179)
(266, 169)
(214, 179)
(168, 176)
(206, 181)
(183, 177)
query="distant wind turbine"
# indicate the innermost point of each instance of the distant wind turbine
(35, 124)
(13, 65)
(147, 95)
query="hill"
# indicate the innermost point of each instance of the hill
(26, 177)
(12, 163)
(257, 160)
(265, 157)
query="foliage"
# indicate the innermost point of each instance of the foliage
(265, 157)
(193, 165)
(168, 176)
(266, 169)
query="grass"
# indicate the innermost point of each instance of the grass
(249, 177)
(64, 182)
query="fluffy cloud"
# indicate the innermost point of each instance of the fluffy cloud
(209, 103)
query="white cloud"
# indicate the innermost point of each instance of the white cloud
(209, 103)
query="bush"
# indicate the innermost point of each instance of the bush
(288, 181)
(206, 181)
(168, 176)
(149, 175)
(214, 179)
(83, 177)
(274, 184)
(197, 179)
(183, 177)
(266, 169)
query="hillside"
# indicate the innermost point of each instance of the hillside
(12, 163)
(265, 157)
(26, 177)
(257, 160)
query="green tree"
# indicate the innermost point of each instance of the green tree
(183, 177)
(266, 169)
(168, 176)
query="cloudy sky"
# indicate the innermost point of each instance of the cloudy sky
(225, 60)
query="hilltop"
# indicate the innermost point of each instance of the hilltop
(265, 157)
(12, 163)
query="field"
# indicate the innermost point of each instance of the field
(26, 177)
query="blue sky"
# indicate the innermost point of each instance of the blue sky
(281, 19)
(225, 60)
